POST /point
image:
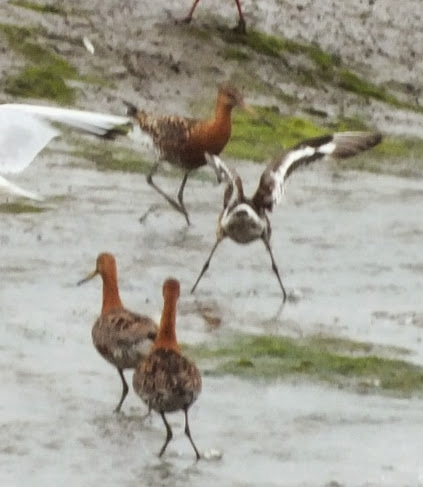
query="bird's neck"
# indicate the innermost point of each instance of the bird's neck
(222, 118)
(111, 298)
(166, 337)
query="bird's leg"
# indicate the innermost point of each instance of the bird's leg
(241, 27)
(188, 433)
(206, 264)
(181, 196)
(274, 266)
(188, 18)
(170, 200)
(169, 434)
(152, 209)
(124, 391)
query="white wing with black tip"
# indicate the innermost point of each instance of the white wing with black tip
(234, 191)
(340, 145)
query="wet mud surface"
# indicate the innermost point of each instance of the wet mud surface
(348, 245)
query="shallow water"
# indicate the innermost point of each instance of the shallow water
(348, 246)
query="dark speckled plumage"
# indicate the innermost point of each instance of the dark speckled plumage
(167, 381)
(183, 141)
(172, 136)
(123, 338)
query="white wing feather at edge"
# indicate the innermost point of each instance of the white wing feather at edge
(25, 130)
(8, 187)
(22, 137)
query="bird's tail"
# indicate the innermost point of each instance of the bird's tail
(131, 109)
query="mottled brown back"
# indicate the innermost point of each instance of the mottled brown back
(172, 135)
(166, 381)
(124, 338)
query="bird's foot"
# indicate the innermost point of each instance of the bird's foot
(183, 20)
(241, 27)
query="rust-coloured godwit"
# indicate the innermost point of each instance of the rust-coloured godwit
(183, 141)
(166, 381)
(122, 337)
(179, 140)
(244, 219)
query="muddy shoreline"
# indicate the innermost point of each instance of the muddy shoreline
(348, 244)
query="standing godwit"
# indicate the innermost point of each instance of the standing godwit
(178, 140)
(123, 338)
(166, 381)
(245, 220)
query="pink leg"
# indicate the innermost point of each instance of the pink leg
(241, 28)
(188, 18)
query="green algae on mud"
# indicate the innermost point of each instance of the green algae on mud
(40, 82)
(47, 72)
(108, 156)
(46, 76)
(273, 46)
(235, 55)
(340, 362)
(20, 207)
(327, 66)
(265, 134)
(43, 8)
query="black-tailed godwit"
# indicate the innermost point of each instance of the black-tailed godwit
(122, 337)
(245, 219)
(182, 141)
(166, 381)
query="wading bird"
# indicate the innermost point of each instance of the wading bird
(121, 337)
(245, 219)
(183, 141)
(166, 381)
(180, 141)
(241, 26)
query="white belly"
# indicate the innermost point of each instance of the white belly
(242, 224)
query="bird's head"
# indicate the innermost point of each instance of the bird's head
(171, 289)
(105, 266)
(230, 96)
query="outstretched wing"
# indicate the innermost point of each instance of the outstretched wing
(26, 129)
(234, 191)
(22, 137)
(101, 124)
(340, 145)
